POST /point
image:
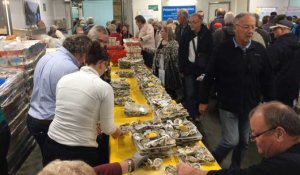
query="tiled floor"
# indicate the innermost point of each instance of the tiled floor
(211, 131)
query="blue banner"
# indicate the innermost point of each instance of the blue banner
(171, 11)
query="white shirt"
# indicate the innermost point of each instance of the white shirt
(192, 55)
(82, 99)
(147, 34)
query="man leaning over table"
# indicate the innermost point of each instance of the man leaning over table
(49, 69)
(275, 129)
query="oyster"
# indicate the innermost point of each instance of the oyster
(156, 163)
(171, 170)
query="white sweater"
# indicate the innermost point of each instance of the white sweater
(82, 99)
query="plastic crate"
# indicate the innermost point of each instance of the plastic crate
(114, 55)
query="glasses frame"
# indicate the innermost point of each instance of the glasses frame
(253, 137)
(247, 28)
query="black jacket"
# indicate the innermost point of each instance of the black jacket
(285, 59)
(204, 47)
(287, 163)
(181, 31)
(241, 78)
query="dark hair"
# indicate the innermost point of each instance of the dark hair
(277, 114)
(77, 44)
(289, 18)
(140, 19)
(273, 13)
(265, 19)
(96, 54)
(279, 18)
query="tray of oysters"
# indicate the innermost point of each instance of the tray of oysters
(125, 74)
(195, 154)
(120, 101)
(150, 136)
(171, 111)
(182, 130)
(120, 84)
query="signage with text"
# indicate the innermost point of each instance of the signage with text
(171, 11)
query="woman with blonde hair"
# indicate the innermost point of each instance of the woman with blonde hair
(165, 64)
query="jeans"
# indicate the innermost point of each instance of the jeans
(103, 148)
(191, 86)
(4, 145)
(38, 131)
(235, 135)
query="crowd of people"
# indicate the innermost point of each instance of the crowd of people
(235, 59)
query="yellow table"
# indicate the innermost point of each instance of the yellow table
(123, 148)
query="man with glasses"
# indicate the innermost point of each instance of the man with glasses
(242, 75)
(284, 54)
(194, 51)
(275, 129)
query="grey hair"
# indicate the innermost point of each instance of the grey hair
(198, 16)
(169, 31)
(95, 31)
(67, 167)
(183, 13)
(112, 28)
(277, 114)
(77, 44)
(241, 15)
(229, 18)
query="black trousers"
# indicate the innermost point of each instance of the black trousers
(148, 58)
(4, 145)
(54, 150)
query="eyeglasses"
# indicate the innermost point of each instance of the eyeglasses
(253, 137)
(245, 27)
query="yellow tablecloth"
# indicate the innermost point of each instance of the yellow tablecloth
(123, 148)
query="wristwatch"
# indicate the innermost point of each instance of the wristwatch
(130, 165)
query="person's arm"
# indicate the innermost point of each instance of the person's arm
(106, 111)
(149, 33)
(267, 79)
(109, 169)
(207, 82)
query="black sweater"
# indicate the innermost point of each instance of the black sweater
(241, 78)
(287, 163)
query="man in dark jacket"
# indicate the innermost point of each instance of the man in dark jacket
(285, 57)
(241, 71)
(276, 139)
(183, 27)
(220, 12)
(194, 50)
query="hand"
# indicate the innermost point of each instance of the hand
(184, 169)
(203, 108)
(118, 133)
(138, 160)
(98, 127)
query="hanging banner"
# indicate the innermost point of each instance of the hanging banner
(171, 11)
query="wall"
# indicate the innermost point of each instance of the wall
(100, 10)
(281, 5)
(139, 7)
(55, 9)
